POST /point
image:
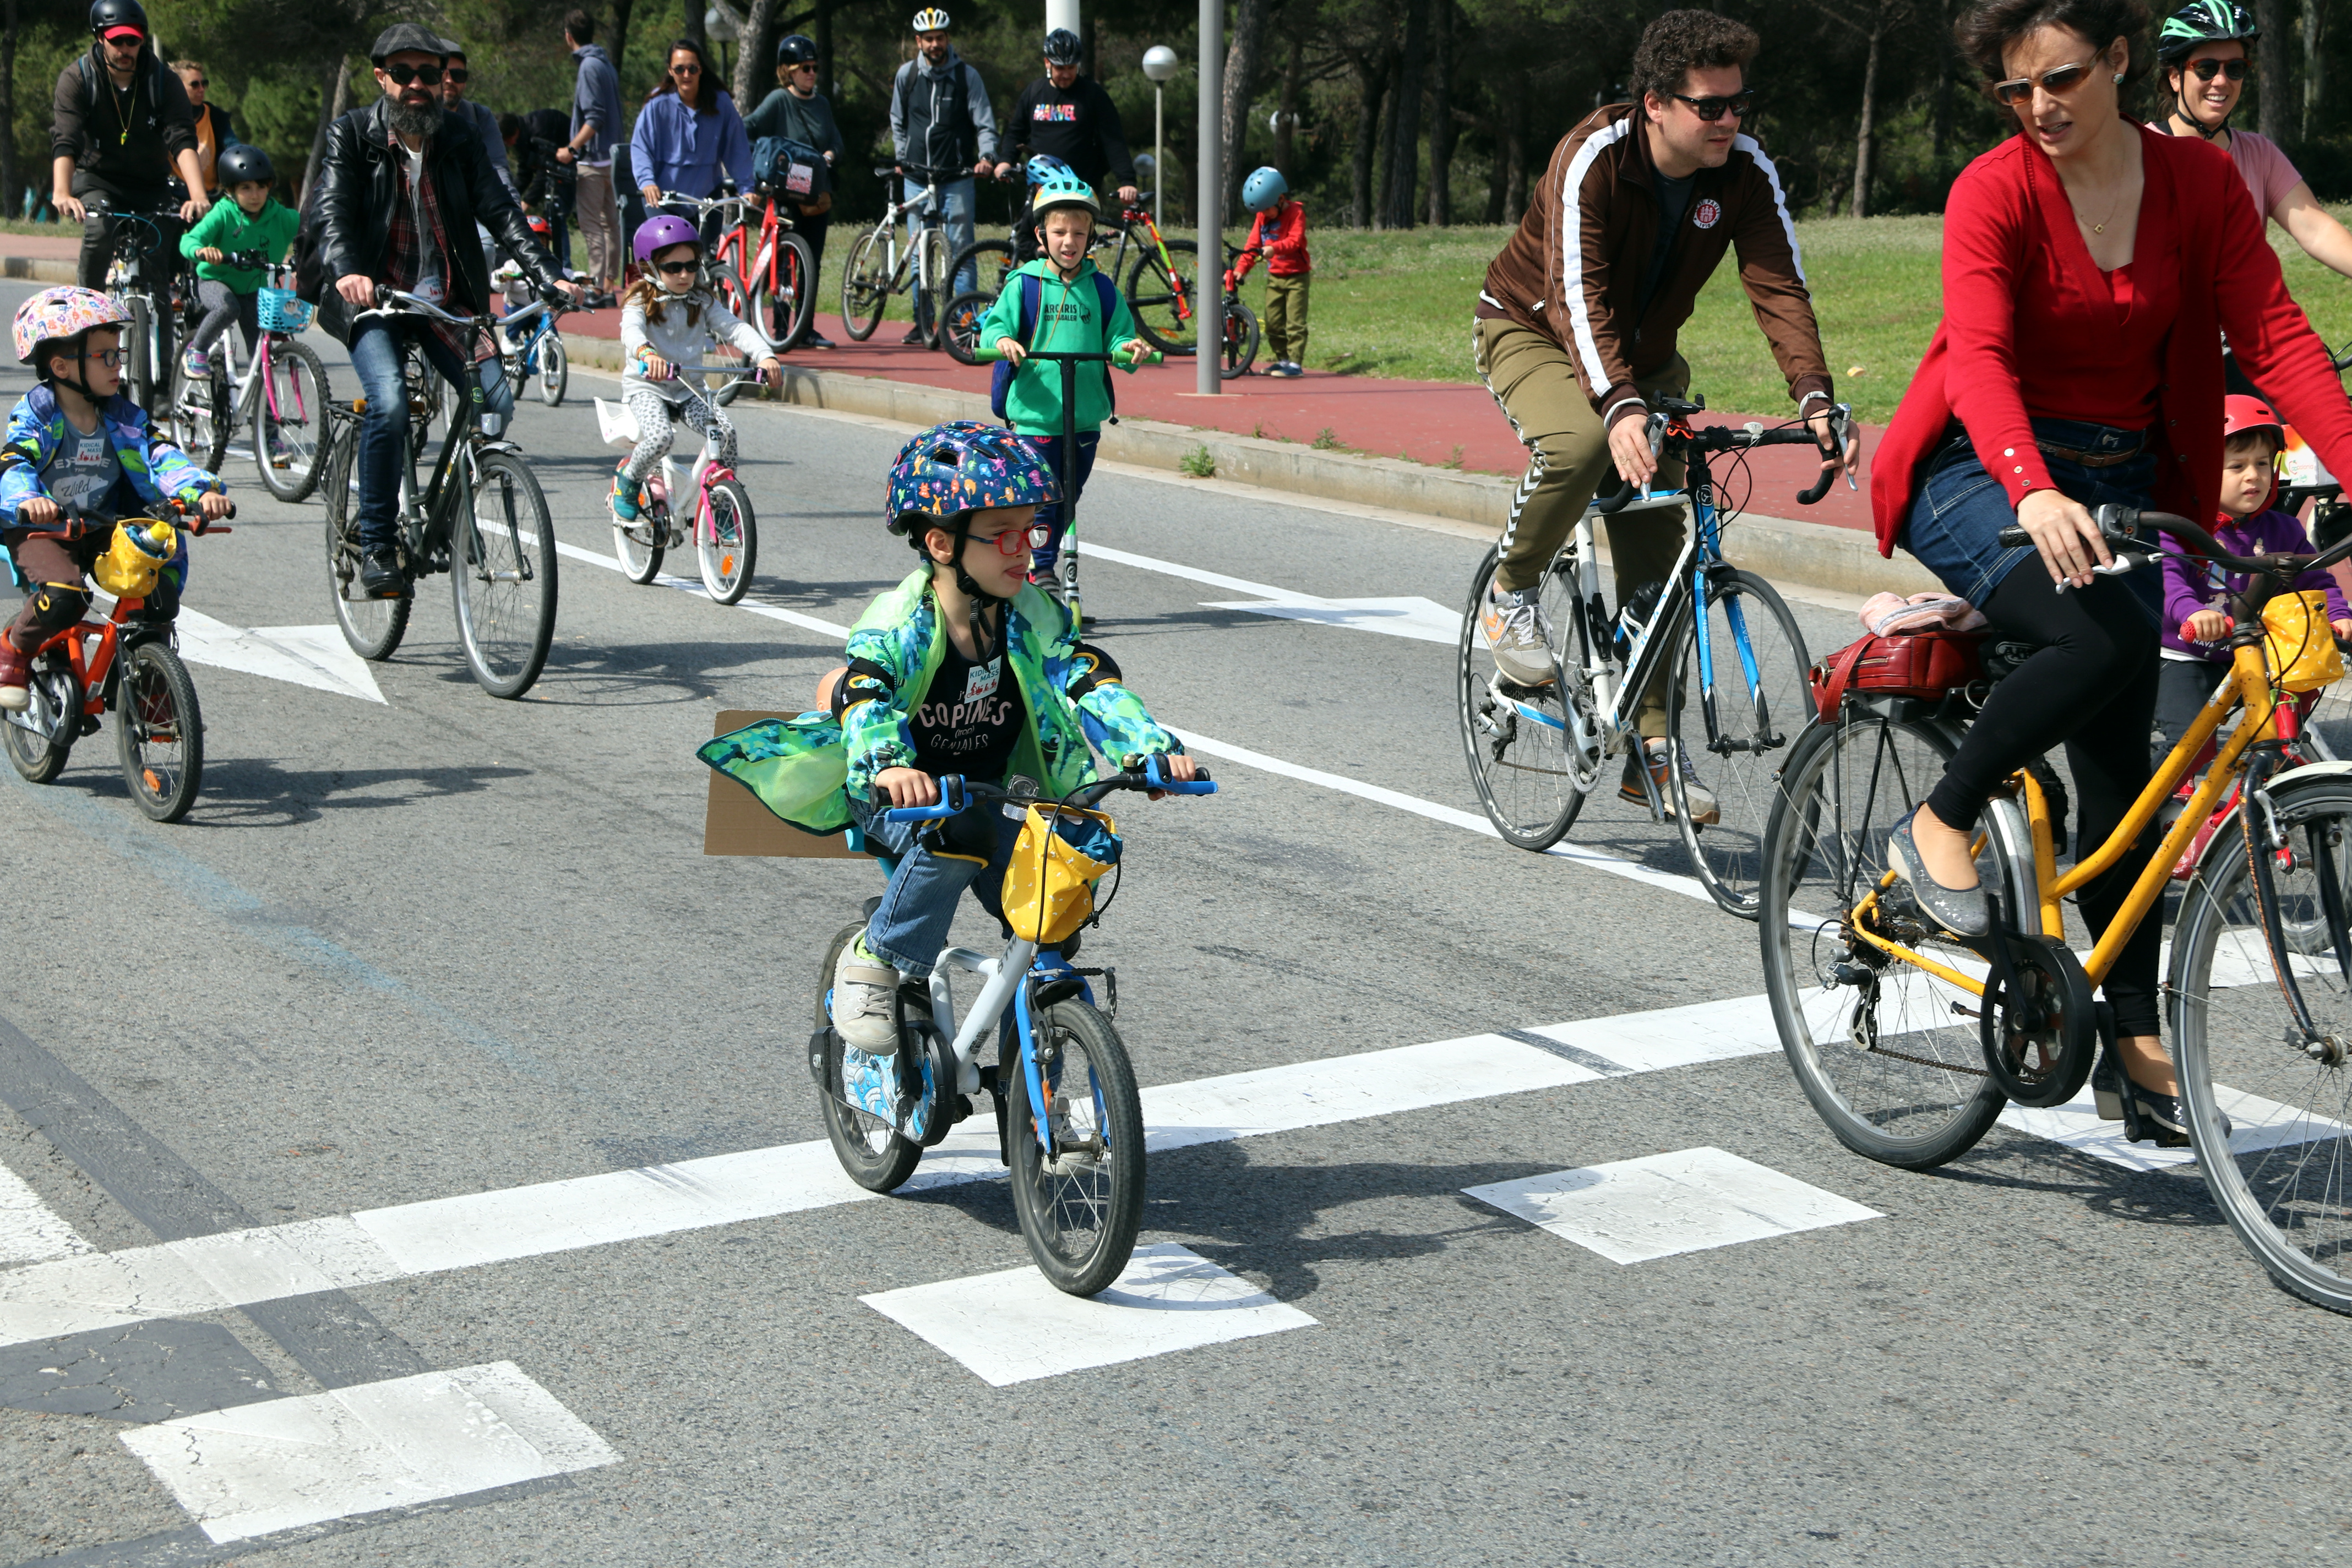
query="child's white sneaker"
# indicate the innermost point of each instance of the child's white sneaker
(865, 995)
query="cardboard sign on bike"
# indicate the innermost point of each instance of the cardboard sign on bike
(735, 822)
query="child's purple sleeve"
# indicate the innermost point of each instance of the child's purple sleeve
(2184, 586)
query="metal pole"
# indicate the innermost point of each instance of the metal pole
(1159, 154)
(1208, 203)
(1062, 14)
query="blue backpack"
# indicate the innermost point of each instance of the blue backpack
(1032, 304)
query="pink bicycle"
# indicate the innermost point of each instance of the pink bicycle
(726, 536)
(280, 399)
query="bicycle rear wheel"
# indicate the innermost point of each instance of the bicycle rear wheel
(1761, 699)
(550, 366)
(868, 1148)
(159, 731)
(750, 305)
(864, 287)
(1161, 304)
(1241, 339)
(1079, 1197)
(56, 705)
(792, 306)
(1878, 1045)
(200, 417)
(991, 261)
(289, 422)
(931, 299)
(961, 336)
(373, 627)
(1524, 760)
(503, 571)
(2280, 1179)
(732, 543)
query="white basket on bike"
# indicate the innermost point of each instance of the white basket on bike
(615, 425)
(280, 311)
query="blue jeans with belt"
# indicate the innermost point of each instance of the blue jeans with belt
(1958, 516)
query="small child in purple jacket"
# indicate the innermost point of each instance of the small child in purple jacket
(2193, 588)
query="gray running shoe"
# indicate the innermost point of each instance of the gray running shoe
(863, 989)
(1704, 810)
(1518, 634)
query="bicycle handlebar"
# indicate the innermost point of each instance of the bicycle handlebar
(2120, 525)
(1669, 426)
(957, 793)
(399, 302)
(87, 523)
(988, 352)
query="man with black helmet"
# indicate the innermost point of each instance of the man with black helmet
(1072, 117)
(798, 111)
(398, 203)
(122, 126)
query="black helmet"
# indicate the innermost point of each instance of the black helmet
(1062, 47)
(241, 163)
(796, 49)
(107, 14)
(2206, 22)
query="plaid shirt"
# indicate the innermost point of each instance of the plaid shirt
(403, 256)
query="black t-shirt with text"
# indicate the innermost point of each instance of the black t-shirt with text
(969, 720)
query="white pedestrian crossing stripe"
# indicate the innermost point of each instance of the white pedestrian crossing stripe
(31, 1231)
(1013, 1327)
(1632, 1211)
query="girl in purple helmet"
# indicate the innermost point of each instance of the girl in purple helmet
(668, 319)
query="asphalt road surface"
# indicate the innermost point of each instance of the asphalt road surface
(407, 1158)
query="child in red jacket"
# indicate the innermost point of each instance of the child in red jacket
(1279, 234)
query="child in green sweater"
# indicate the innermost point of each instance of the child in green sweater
(251, 220)
(1076, 310)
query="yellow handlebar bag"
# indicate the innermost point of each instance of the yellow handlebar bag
(131, 564)
(1049, 887)
(2299, 643)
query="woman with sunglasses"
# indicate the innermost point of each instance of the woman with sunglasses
(2090, 265)
(2202, 53)
(668, 320)
(688, 137)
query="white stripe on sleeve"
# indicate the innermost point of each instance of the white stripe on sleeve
(1748, 144)
(1571, 244)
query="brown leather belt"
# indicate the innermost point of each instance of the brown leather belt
(2092, 460)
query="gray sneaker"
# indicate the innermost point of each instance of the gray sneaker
(864, 993)
(1704, 810)
(1518, 634)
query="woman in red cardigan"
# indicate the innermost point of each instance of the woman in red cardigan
(2089, 267)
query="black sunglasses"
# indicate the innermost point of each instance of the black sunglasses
(685, 70)
(1712, 109)
(673, 268)
(403, 75)
(457, 74)
(2057, 82)
(2207, 69)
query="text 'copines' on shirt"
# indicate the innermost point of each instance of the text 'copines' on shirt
(970, 719)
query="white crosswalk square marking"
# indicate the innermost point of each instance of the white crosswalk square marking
(1632, 1211)
(1013, 1327)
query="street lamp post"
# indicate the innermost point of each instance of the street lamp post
(1160, 64)
(1208, 203)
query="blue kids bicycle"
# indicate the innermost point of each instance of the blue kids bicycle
(1728, 648)
(530, 348)
(1069, 1119)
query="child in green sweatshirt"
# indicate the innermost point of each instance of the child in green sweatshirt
(252, 219)
(1075, 312)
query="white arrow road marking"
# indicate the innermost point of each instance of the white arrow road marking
(315, 657)
(1421, 620)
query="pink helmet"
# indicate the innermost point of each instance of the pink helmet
(66, 312)
(660, 232)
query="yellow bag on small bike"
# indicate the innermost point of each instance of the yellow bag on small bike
(1049, 887)
(142, 547)
(2299, 643)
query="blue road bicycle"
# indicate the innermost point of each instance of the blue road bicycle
(531, 349)
(1728, 649)
(1069, 1119)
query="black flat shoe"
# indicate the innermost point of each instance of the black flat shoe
(381, 576)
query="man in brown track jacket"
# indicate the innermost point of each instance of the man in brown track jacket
(1578, 319)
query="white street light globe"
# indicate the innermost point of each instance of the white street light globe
(1160, 62)
(716, 24)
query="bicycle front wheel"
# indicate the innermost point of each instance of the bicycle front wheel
(290, 421)
(960, 334)
(373, 627)
(792, 305)
(1161, 300)
(1241, 339)
(503, 571)
(1741, 696)
(728, 541)
(1880, 1048)
(722, 386)
(932, 296)
(1077, 1156)
(551, 368)
(159, 731)
(2280, 1178)
(199, 421)
(864, 287)
(1531, 775)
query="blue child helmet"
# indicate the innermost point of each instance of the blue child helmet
(962, 467)
(1043, 167)
(1265, 187)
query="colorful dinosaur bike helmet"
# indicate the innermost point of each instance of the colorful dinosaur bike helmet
(1262, 189)
(54, 315)
(660, 232)
(2206, 22)
(1065, 190)
(962, 467)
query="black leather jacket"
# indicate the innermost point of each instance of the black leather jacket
(359, 186)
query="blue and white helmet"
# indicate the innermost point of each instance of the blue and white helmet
(1264, 188)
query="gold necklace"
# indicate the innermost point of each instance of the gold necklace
(2101, 226)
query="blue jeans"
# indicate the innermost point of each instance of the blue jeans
(1051, 523)
(1958, 516)
(936, 863)
(955, 201)
(376, 359)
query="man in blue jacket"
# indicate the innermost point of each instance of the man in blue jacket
(940, 121)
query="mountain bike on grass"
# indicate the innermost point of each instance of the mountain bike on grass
(1738, 691)
(1069, 1120)
(1908, 1040)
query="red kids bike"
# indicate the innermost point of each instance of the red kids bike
(130, 666)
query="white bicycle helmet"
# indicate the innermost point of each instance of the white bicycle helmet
(931, 19)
